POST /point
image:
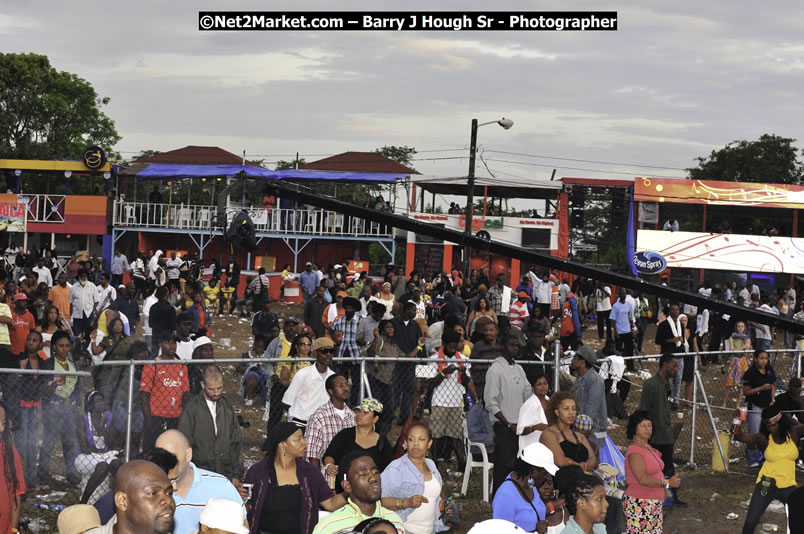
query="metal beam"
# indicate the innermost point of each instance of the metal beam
(544, 260)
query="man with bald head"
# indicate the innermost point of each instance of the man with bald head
(210, 425)
(143, 501)
(193, 486)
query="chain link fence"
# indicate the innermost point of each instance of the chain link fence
(74, 428)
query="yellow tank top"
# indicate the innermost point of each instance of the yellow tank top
(780, 463)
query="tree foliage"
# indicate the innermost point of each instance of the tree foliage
(47, 114)
(770, 159)
(283, 165)
(400, 154)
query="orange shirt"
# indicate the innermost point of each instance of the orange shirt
(60, 297)
(18, 330)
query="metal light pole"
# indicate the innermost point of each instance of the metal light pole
(470, 181)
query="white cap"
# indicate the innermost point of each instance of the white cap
(223, 514)
(538, 455)
(495, 526)
(201, 341)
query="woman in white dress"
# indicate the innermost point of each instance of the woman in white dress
(387, 299)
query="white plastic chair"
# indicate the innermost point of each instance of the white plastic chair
(337, 224)
(312, 222)
(185, 218)
(203, 220)
(471, 463)
(129, 216)
(358, 226)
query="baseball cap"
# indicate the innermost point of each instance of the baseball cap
(20, 296)
(291, 319)
(323, 343)
(224, 515)
(369, 405)
(342, 294)
(78, 518)
(201, 341)
(538, 455)
(495, 526)
(522, 295)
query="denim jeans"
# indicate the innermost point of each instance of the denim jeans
(677, 379)
(759, 503)
(27, 440)
(752, 452)
(59, 421)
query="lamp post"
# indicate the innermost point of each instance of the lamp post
(470, 196)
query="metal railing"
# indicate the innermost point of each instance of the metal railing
(271, 221)
(707, 414)
(45, 208)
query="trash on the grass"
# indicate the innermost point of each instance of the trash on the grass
(732, 515)
(714, 496)
(776, 506)
(770, 527)
(52, 496)
(225, 342)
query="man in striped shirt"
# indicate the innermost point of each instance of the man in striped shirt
(329, 419)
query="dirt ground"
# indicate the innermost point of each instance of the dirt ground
(711, 496)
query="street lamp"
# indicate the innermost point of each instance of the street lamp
(470, 197)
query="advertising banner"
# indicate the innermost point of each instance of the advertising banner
(719, 193)
(12, 216)
(729, 252)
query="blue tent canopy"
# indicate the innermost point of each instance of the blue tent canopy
(163, 171)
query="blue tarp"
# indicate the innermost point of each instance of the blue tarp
(162, 171)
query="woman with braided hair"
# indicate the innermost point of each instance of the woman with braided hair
(12, 482)
(586, 501)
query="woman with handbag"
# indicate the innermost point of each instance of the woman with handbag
(646, 484)
(777, 478)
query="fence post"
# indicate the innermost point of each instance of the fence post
(797, 356)
(130, 408)
(362, 379)
(557, 364)
(694, 410)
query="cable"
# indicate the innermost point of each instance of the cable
(587, 160)
(582, 169)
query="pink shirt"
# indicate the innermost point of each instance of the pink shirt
(653, 468)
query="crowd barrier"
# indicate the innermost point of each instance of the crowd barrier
(58, 436)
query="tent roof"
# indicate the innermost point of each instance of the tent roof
(197, 155)
(506, 188)
(160, 171)
(373, 162)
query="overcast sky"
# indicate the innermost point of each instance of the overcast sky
(676, 81)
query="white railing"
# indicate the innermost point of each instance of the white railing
(274, 221)
(45, 208)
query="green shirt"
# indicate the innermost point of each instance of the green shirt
(656, 399)
(345, 518)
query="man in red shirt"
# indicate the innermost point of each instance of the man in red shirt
(22, 322)
(519, 310)
(164, 390)
(570, 323)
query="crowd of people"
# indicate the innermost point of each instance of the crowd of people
(330, 464)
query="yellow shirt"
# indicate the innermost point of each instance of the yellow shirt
(294, 367)
(780, 463)
(212, 295)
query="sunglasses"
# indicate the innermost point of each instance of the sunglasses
(327, 351)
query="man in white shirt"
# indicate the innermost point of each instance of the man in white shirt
(307, 391)
(83, 300)
(185, 344)
(603, 309)
(11, 254)
(763, 332)
(149, 301)
(106, 293)
(542, 291)
(43, 272)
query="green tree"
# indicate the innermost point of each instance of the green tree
(770, 159)
(283, 165)
(47, 114)
(400, 154)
